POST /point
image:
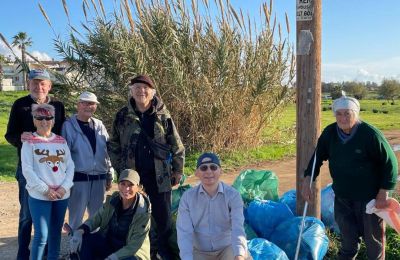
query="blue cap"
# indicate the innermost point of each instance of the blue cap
(208, 158)
(39, 74)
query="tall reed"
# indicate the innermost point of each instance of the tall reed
(223, 76)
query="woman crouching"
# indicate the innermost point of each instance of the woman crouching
(124, 222)
(48, 169)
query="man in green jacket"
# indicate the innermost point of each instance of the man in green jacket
(144, 138)
(123, 222)
(363, 167)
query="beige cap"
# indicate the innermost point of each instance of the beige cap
(129, 175)
(88, 97)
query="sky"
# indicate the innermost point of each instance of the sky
(360, 38)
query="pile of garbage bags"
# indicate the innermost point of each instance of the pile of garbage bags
(273, 219)
(271, 225)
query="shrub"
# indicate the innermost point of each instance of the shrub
(375, 111)
(385, 111)
(362, 109)
(222, 79)
(383, 103)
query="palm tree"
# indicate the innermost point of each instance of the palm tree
(21, 40)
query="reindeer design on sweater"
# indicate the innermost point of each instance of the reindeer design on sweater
(53, 161)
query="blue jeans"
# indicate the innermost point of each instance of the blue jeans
(25, 220)
(48, 218)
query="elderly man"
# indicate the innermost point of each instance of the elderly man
(210, 217)
(87, 139)
(145, 139)
(363, 167)
(20, 127)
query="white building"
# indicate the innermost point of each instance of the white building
(13, 77)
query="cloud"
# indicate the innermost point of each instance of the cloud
(4, 50)
(362, 70)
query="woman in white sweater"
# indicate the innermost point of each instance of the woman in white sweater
(48, 169)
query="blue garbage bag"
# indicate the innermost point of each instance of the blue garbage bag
(327, 208)
(257, 184)
(314, 241)
(262, 249)
(289, 198)
(263, 216)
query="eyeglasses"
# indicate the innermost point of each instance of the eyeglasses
(47, 118)
(204, 167)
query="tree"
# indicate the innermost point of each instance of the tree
(22, 41)
(357, 89)
(390, 89)
(336, 91)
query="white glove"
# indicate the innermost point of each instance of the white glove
(75, 242)
(112, 257)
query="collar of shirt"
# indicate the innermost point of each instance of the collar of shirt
(220, 189)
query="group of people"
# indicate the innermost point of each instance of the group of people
(68, 163)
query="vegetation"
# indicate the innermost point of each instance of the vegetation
(8, 154)
(390, 89)
(222, 79)
(22, 41)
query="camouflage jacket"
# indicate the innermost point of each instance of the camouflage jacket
(125, 134)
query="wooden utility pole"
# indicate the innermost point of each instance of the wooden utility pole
(308, 87)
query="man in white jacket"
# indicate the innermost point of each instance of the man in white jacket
(87, 138)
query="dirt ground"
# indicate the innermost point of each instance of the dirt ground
(285, 170)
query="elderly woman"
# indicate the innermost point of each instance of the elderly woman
(363, 167)
(124, 222)
(48, 169)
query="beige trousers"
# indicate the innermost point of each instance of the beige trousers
(223, 254)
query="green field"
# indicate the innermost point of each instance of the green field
(279, 136)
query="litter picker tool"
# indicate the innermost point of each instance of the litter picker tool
(305, 209)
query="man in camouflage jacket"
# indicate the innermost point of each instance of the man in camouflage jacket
(136, 127)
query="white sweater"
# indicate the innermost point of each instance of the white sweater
(46, 163)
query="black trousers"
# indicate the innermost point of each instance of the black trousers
(355, 224)
(161, 213)
(95, 246)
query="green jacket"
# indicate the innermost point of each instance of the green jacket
(137, 241)
(125, 133)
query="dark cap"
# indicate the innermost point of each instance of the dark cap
(143, 79)
(129, 175)
(208, 158)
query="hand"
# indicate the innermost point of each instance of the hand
(75, 241)
(112, 257)
(239, 257)
(52, 194)
(381, 200)
(306, 192)
(176, 177)
(108, 185)
(25, 136)
(60, 192)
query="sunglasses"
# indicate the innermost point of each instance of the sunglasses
(204, 167)
(47, 118)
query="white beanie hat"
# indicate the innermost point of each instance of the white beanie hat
(345, 102)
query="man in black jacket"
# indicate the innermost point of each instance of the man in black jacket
(20, 126)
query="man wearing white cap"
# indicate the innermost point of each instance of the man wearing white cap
(363, 167)
(87, 139)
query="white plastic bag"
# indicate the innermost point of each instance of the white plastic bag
(390, 214)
